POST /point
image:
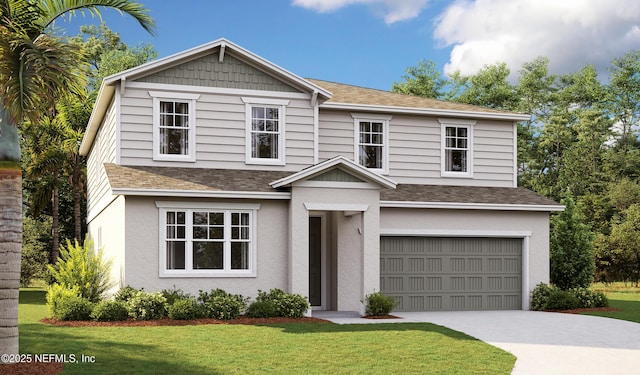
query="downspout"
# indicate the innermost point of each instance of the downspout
(316, 126)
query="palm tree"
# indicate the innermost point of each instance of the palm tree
(35, 67)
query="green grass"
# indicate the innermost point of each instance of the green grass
(626, 298)
(402, 348)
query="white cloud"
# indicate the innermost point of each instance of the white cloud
(391, 10)
(571, 33)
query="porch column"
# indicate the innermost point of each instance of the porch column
(298, 248)
(370, 251)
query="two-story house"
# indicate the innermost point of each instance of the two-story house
(215, 168)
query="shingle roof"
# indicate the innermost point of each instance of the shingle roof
(465, 194)
(227, 180)
(175, 178)
(343, 93)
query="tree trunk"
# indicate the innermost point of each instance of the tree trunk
(55, 225)
(10, 234)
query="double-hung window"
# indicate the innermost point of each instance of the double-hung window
(457, 148)
(207, 241)
(371, 141)
(265, 130)
(174, 124)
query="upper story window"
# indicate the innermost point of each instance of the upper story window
(371, 141)
(174, 126)
(207, 240)
(457, 148)
(265, 131)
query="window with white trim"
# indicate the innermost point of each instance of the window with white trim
(265, 130)
(207, 241)
(174, 124)
(371, 143)
(457, 148)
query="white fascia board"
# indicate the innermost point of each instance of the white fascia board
(427, 111)
(97, 115)
(203, 193)
(472, 206)
(357, 169)
(454, 233)
(217, 90)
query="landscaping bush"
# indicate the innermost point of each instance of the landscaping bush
(261, 309)
(174, 295)
(287, 305)
(110, 311)
(219, 304)
(66, 303)
(147, 306)
(562, 300)
(78, 265)
(588, 298)
(184, 309)
(539, 297)
(125, 294)
(378, 304)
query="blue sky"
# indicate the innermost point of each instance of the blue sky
(372, 42)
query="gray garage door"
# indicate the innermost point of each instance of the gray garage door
(432, 273)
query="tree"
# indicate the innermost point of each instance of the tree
(421, 80)
(571, 248)
(35, 67)
(621, 248)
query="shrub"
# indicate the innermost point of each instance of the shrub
(219, 304)
(78, 265)
(261, 309)
(109, 311)
(287, 305)
(539, 297)
(147, 306)
(378, 304)
(35, 240)
(184, 309)
(587, 298)
(66, 304)
(125, 294)
(561, 300)
(174, 295)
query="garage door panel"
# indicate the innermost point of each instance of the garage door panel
(452, 273)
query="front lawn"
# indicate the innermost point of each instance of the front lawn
(624, 298)
(287, 348)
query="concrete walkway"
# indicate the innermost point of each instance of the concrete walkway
(544, 343)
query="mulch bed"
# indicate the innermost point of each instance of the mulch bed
(381, 317)
(40, 368)
(580, 311)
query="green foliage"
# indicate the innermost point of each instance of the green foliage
(421, 80)
(261, 309)
(147, 306)
(67, 304)
(125, 294)
(185, 309)
(35, 239)
(377, 304)
(286, 304)
(109, 311)
(80, 266)
(571, 251)
(545, 297)
(620, 251)
(173, 295)
(219, 304)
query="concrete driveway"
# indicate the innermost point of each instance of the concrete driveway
(544, 343)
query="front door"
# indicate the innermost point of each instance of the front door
(315, 261)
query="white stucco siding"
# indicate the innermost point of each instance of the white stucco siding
(103, 151)
(415, 148)
(107, 230)
(142, 244)
(220, 131)
(478, 223)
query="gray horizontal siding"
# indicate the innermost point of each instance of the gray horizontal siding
(220, 132)
(102, 151)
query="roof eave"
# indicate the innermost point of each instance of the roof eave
(200, 193)
(427, 111)
(97, 115)
(472, 206)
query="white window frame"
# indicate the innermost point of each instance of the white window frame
(457, 123)
(281, 105)
(160, 96)
(189, 208)
(363, 117)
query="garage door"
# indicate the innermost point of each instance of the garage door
(433, 273)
